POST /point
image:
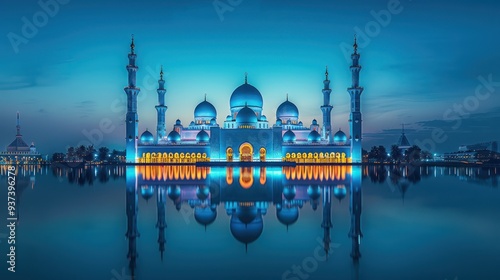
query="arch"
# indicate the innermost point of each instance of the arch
(246, 152)
(262, 153)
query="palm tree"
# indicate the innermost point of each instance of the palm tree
(396, 154)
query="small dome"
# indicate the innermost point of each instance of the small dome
(287, 215)
(246, 116)
(263, 118)
(314, 122)
(32, 145)
(289, 192)
(246, 95)
(147, 137)
(339, 192)
(202, 193)
(178, 122)
(246, 214)
(202, 137)
(287, 110)
(229, 118)
(204, 215)
(289, 137)
(147, 192)
(314, 136)
(174, 136)
(279, 122)
(314, 192)
(340, 137)
(205, 110)
(174, 192)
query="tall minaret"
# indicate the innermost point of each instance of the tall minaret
(161, 131)
(327, 109)
(355, 197)
(132, 121)
(355, 91)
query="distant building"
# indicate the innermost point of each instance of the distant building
(480, 152)
(18, 152)
(403, 142)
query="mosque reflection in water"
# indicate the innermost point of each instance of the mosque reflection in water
(246, 193)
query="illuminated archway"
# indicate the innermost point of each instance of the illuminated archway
(262, 153)
(246, 152)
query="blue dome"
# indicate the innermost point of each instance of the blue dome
(246, 233)
(287, 110)
(202, 137)
(205, 110)
(289, 192)
(174, 136)
(279, 122)
(289, 137)
(340, 137)
(314, 192)
(202, 193)
(314, 136)
(339, 192)
(246, 94)
(288, 215)
(178, 122)
(314, 122)
(147, 137)
(147, 191)
(246, 116)
(204, 215)
(174, 192)
(246, 214)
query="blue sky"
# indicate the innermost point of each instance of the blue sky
(421, 67)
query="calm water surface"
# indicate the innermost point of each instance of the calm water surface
(307, 222)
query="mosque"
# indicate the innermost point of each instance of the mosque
(18, 152)
(245, 134)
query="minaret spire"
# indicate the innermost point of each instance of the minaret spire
(132, 118)
(355, 119)
(326, 131)
(18, 125)
(161, 109)
(246, 78)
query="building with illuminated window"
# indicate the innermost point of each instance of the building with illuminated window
(245, 134)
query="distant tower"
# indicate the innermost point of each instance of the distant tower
(18, 126)
(327, 109)
(161, 131)
(355, 120)
(132, 121)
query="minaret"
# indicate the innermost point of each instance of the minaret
(355, 197)
(355, 92)
(132, 121)
(327, 109)
(327, 218)
(161, 131)
(18, 126)
(161, 224)
(131, 209)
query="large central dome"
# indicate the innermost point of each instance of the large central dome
(246, 94)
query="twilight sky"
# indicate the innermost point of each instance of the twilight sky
(433, 65)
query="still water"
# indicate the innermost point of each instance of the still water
(304, 222)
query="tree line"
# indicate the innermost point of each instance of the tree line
(89, 154)
(397, 155)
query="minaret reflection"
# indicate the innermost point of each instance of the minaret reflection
(355, 194)
(131, 209)
(161, 224)
(327, 218)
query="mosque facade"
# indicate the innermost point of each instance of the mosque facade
(245, 134)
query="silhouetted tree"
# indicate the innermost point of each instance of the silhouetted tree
(396, 153)
(56, 157)
(103, 153)
(413, 154)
